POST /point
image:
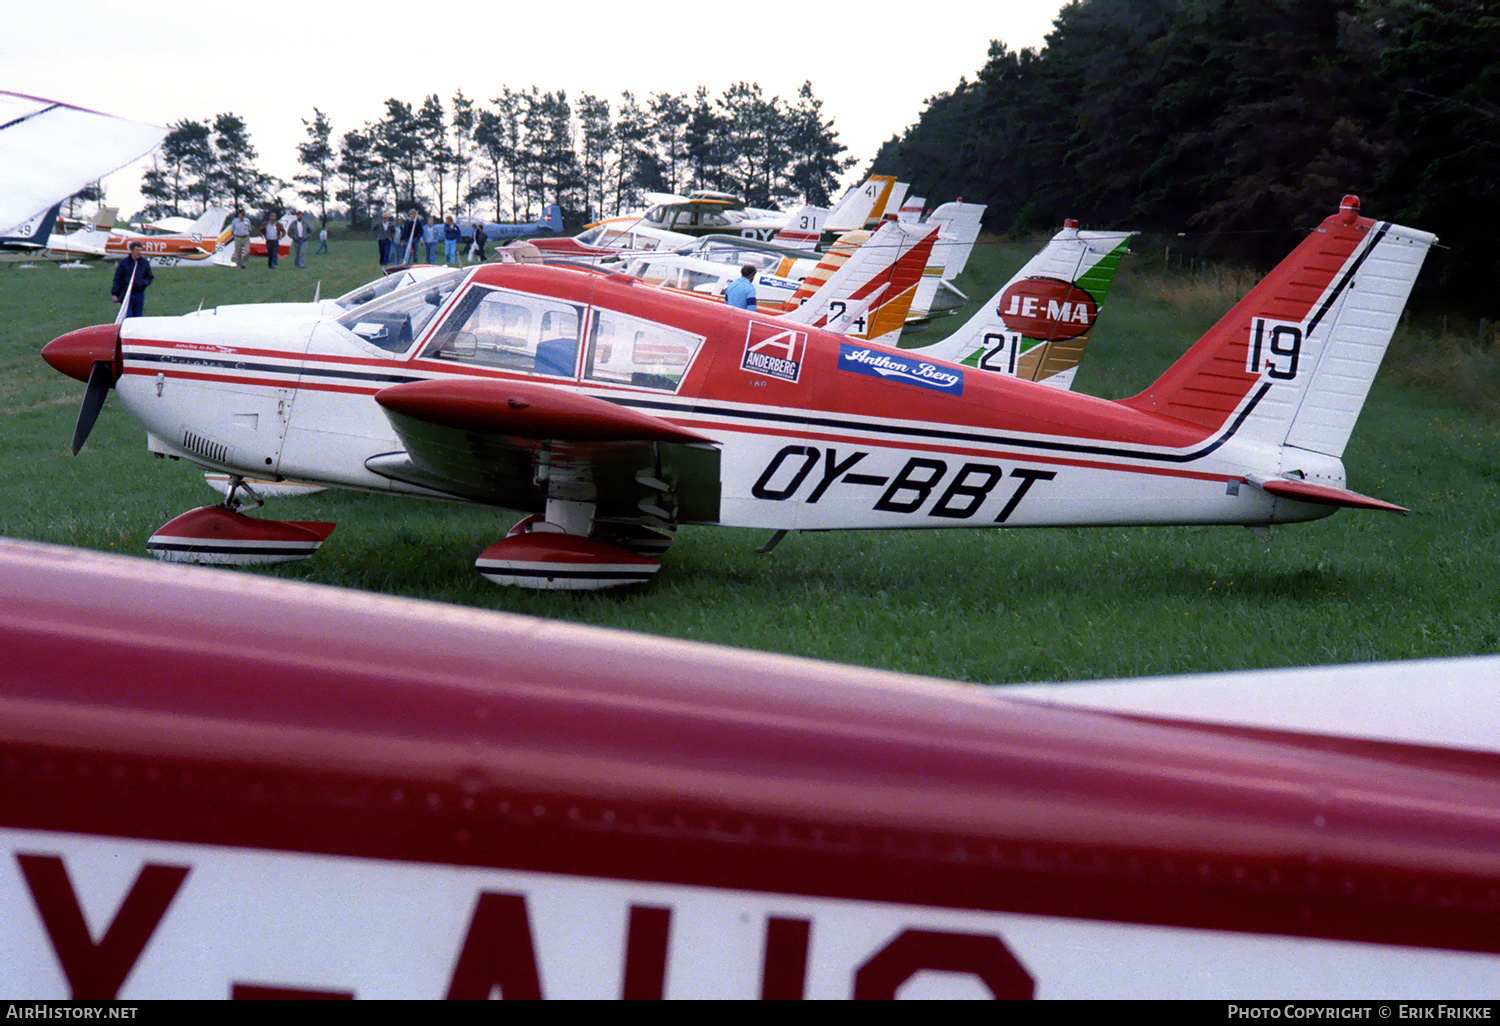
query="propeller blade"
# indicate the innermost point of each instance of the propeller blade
(120, 317)
(101, 380)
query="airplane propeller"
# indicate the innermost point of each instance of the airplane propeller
(91, 355)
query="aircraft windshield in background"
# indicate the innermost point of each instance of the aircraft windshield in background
(614, 413)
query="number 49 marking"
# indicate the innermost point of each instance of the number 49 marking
(1274, 349)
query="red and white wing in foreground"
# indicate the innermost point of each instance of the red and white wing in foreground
(225, 786)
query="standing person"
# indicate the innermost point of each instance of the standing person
(430, 236)
(411, 235)
(741, 292)
(299, 241)
(272, 233)
(137, 265)
(451, 235)
(383, 237)
(479, 239)
(240, 229)
(322, 240)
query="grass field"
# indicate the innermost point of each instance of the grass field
(985, 606)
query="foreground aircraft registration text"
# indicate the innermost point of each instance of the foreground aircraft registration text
(109, 918)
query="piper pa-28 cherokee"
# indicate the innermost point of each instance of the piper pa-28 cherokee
(613, 413)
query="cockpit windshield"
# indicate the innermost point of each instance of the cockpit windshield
(394, 320)
(384, 286)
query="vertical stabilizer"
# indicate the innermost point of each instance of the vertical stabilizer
(854, 208)
(1292, 363)
(1037, 326)
(869, 295)
(803, 229)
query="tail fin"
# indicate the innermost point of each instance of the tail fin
(868, 296)
(911, 208)
(552, 218)
(852, 211)
(959, 225)
(211, 224)
(888, 205)
(1293, 361)
(803, 229)
(1038, 325)
(34, 232)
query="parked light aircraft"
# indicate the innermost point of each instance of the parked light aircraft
(551, 222)
(720, 214)
(613, 413)
(546, 810)
(224, 786)
(709, 263)
(194, 247)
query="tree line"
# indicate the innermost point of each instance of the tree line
(1230, 118)
(521, 151)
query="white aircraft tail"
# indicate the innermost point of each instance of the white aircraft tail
(35, 231)
(960, 224)
(869, 292)
(855, 207)
(804, 228)
(210, 225)
(1292, 363)
(1037, 326)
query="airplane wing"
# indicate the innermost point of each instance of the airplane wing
(514, 443)
(50, 150)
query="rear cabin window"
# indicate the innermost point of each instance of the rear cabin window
(510, 330)
(626, 350)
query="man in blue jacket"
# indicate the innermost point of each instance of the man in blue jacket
(137, 265)
(741, 291)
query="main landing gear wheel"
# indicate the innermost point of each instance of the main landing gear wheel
(537, 554)
(223, 536)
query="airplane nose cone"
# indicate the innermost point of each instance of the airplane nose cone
(75, 353)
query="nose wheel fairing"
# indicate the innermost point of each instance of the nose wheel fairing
(220, 536)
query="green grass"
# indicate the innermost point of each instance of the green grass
(987, 606)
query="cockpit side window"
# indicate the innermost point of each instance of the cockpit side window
(394, 321)
(513, 331)
(626, 350)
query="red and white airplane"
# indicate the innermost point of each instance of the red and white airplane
(613, 413)
(220, 785)
(194, 247)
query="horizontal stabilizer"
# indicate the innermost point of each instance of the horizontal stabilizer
(1323, 495)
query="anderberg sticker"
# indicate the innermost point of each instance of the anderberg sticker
(773, 351)
(894, 367)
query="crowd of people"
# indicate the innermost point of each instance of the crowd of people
(412, 240)
(404, 241)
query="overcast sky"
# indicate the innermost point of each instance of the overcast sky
(165, 61)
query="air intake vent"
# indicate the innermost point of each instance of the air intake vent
(211, 451)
